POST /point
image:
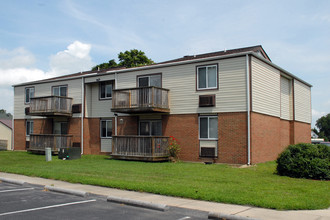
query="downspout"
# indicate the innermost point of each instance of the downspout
(116, 115)
(82, 113)
(12, 134)
(248, 108)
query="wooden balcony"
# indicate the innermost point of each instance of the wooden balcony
(51, 106)
(38, 142)
(144, 148)
(140, 100)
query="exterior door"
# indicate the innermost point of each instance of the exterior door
(60, 128)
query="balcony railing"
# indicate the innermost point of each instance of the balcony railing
(38, 142)
(142, 99)
(147, 148)
(51, 106)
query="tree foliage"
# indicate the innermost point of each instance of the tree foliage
(305, 161)
(323, 124)
(5, 114)
(132, 58)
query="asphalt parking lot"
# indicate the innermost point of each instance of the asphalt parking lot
(34, 202)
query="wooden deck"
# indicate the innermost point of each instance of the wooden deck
(38, 142)
(143, 148)
(140, 100)
(51, 106)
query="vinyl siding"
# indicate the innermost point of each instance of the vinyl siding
(286, 99)
(265, 88)
(302, 102)
(106, 144)
(5, 134)
(45, 89)
(95, 107)
(181, 81)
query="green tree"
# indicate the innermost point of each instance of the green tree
(4, 114)
(132, 58)
(323, 124)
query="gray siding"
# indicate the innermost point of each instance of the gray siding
(302, 102)
(265, 88)
(181, 81)
(45, 89)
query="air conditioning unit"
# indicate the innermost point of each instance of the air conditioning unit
(76, 108)
(208, 152)
(27, 110)
(206, 100)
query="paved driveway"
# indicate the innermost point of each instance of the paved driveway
(33, 202)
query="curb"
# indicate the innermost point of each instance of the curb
(18, 182)
(138, 203)
(67, 191)
(220, 216)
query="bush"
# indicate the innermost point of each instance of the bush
(305, 161)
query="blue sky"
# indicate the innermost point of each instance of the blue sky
(41, 38)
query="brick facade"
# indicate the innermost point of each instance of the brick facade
(271, 135)
(19, 134)
(92, 141)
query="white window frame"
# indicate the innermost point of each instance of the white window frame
(217, 75)
(149, 78)
(107, 83)
(30, 91)
(106, 124)
(208, 127)
(59, 89)
(31, 128)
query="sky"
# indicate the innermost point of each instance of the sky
(41, 38)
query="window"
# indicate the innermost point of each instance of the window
(150, 127)
(29, 128)
(150, 80)
(208, 127)
(60, 90)
(207, 77)
(106, 128)
(29, 93)
(106, 90)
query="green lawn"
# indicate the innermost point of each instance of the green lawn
(256, 186)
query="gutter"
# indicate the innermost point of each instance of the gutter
(82, 113)
(248, 109)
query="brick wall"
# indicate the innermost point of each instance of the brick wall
(92, 142)
(232, 134)
(232, 146)
(185, 129)
(302, 132)
(271, 135)
(19, 134)
(265, 137)
(127, 125)
(74, 128)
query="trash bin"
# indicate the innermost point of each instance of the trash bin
(48, 153)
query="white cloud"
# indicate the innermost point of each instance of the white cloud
(16, 58)
(16, 66)
(75, 59)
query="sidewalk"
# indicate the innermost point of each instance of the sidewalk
(227, 209)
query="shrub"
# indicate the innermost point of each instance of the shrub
(173, 148)
(305, 161)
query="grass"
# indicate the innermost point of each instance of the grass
(255, 186)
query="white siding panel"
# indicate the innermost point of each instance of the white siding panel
(181, 81)
(106, 144)
(265, 88)
(45, 89)
(286, 99)
(302, 102)
(19, 106)
(98, 108)
(6, 134)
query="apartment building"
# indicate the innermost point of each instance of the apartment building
(233, 106)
